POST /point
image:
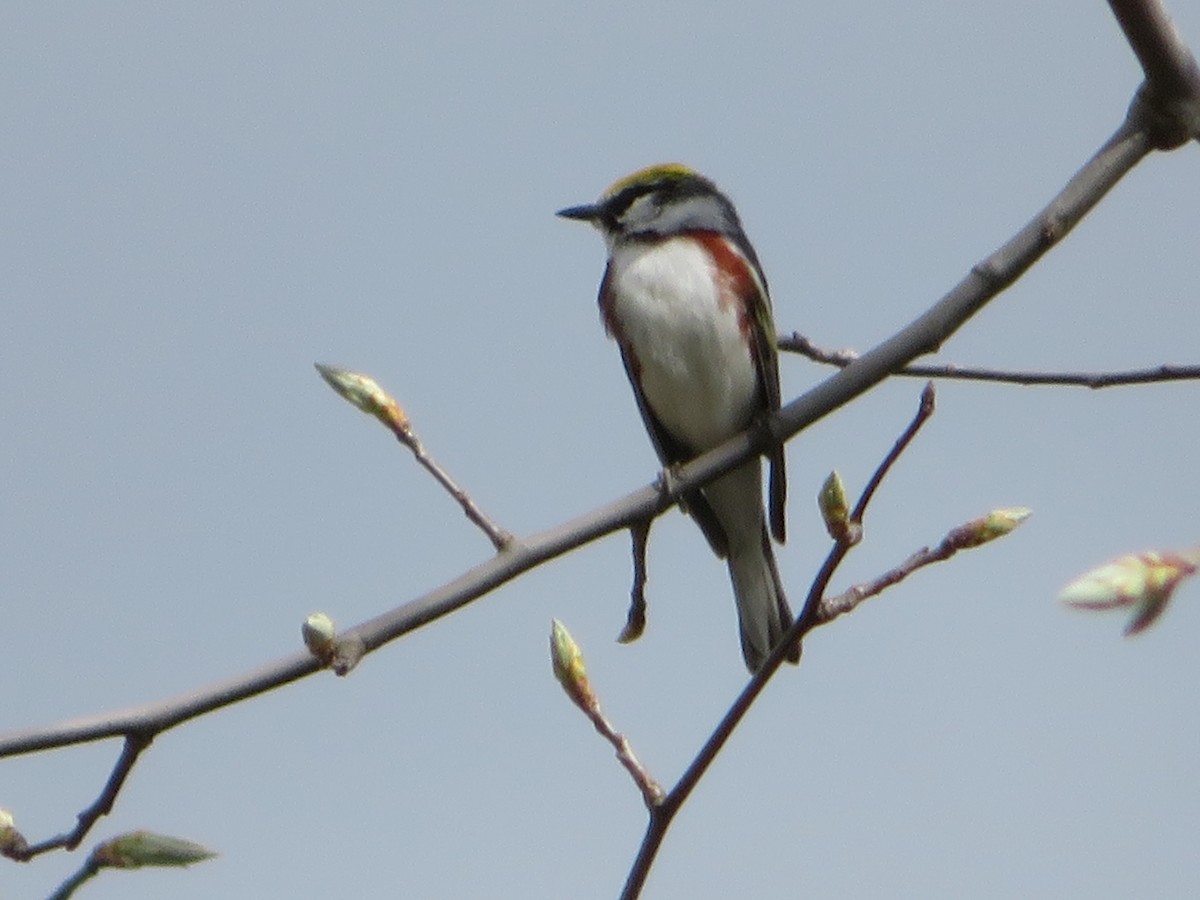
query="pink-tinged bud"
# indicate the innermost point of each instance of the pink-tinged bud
(366, 394)
(145, 848)
(835, 508)
(569, 667)
(995, 524)
(1144, 582)
(319, 635)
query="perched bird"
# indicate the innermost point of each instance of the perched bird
(685, 299)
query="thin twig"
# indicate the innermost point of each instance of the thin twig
(364, 392)
(571, 672)
(500, 538)
(963, 537)
(86, 872)
(924, 412)
(650, 789)
(798, 343)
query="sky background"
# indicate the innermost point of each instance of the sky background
(199, 201)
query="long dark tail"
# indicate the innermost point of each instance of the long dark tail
(763, 611)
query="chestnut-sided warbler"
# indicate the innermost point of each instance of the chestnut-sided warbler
(686, 300)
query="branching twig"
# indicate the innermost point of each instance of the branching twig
(806, 619)
(972, 534)
(662, 814)
(134, 745)
(798, 343)
(985, 281)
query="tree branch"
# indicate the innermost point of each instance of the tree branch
(1142, 131)
(1147, 126)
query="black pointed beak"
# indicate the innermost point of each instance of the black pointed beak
(587, 213)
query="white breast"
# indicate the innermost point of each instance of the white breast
(697, 372)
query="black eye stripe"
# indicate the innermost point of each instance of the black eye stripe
(620, 202)
(669, 190)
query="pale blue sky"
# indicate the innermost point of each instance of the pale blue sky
(198, 203)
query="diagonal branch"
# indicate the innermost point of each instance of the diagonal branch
(1146, 126)
(984, 282)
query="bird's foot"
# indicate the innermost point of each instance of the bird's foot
(667, 482)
